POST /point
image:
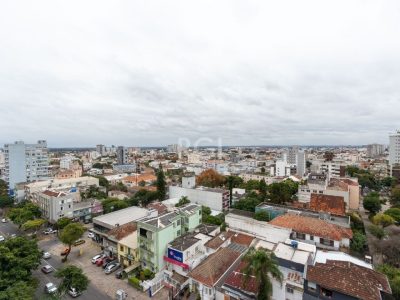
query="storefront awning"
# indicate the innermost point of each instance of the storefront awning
(173, 261)
(132, 267)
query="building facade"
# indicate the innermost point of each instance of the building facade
(25, 163)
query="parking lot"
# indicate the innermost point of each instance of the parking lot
(81, 256)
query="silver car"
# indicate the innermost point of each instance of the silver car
(50, 288)
(111, 268)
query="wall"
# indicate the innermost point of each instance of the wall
(259, 229)
(211, 199)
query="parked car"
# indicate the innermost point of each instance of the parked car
(73, 292)
(65, 251)
(79, 242)
(90, 235)
(47, 269)
(96, 257)
(100, 261)
(2, 238)
(111, 268)
(4, 220)
(119, 274)
(49, 231)
(46, 255)
(50, 288)
(109, 261)
(13, 235)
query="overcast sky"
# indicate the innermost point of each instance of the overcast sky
(145, 73)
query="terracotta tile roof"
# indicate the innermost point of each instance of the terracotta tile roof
(122, 231)
(141, 177)
(350, 181)
(338, 184)
(242, 239)
(214, 266)
(236, 280)
(161, 208)
(312, 226)
(217, 241)
(328, 203)
(349, 279)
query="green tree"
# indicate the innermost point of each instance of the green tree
(160, 183)
(383, 219)
(70, 234)
(262, 215)
(18, 257)
(358, 243)
(6, 201)
(19, 290)
(103, 181)
(394, 213)
(249, 203)
(281, 192)
(372, 203)
(388, 181)
(261, 265)
(393, 275)
(3, 188)
(263, 189)
(24, 212)
(33, 224)
(72, 277)
(377, 231)
(232, 182)
(182, 201)
(395, 196)
(98, 165)
(62, 222)
(113, 204)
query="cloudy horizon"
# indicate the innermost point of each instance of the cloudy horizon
(149, 73)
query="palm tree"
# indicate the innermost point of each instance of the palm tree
(261, 264)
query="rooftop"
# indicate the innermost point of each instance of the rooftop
(217, 241)
(323, 256)
(236, 280)
(120, 232)
(53, 193)
(162, 221)
(289, 253)
(214, 266)
(312, 226)
(185, 241)
(349, 279)
(122, 216)
(328, 203)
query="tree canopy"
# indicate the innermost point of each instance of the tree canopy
(210, 178)
(113, 204)
(372, 202)
(18, 257)
(161, 184)
(70, 234)
(24, 212)
(72, 277)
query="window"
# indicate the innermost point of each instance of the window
(289, 290)
(178, 232)
(326, 293)
(312, 286)
(178, 222)
(301, 236)
(311, 237)
(121, 248)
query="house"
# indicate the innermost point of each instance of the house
(209, 273)
(315, 231)
(55, 205)
(327, 203)
(135, 180)
(344, 280)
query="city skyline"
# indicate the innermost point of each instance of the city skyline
(130, 73)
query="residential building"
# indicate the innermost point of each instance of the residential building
(206, 276)
(282, 168)
(122, 155)
(344, 280)
(25, 163)
(102, 225)
(101, 149)
(156, 233)
(328, 203)
(125, 236)
(394, 150)
(301, 163)
(54, 205)
(375, 150)
(320, 233)
(138, 179)
(2, 163)
(215, 198)
(86, 210)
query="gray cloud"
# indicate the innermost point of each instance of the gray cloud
(148, 73)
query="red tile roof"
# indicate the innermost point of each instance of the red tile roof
(214, 266)
(237, 280)
(54, 194)
(242, 239)
(312, 226)
(161, 208)
(217, 241)
(122, 231)
(349, 279)
(328, 203)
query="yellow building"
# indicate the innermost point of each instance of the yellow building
(126, 238)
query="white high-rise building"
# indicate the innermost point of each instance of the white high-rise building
(374, 150)
(122, 155)
(291, 155)
(394, 149)
(25, 163)
(301, 163)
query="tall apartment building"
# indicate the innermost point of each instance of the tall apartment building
(297, 157)
(25, 163)
(101, 149)
(55, 205)
(2, 163)
(122, 155)
(374, 150)
(291, 155)
(394, 150)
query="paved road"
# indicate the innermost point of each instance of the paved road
(6, 229)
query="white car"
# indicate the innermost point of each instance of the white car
(4, 220)
(2, 238)
(50, 288)
(90, 235)
(97, 257)
(46, 255)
